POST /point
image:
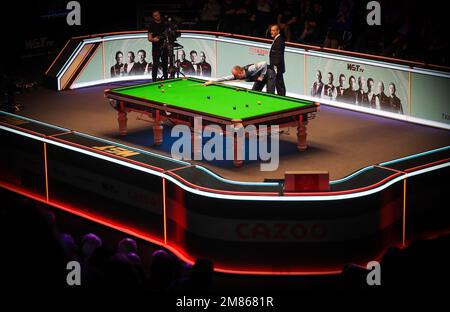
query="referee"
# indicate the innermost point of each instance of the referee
(276, 57)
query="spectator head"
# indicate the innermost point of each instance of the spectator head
(119, 57)
(141, 55)
(89, 244)
(392, 89)
(193, 55)
(134, 258)
(120, 274)
(162, 269)
(274, 30)
(69, 246)
(156, 16)
(317, 7)
(67, 239)
(238, 72)
(341, 80)
(130, 56)
(344, 7)
(381, 87)
(330, 77)
(127, 245)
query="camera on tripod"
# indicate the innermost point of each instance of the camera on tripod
(169, 37)
(170, 33)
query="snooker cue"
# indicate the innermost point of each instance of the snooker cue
(214, 82)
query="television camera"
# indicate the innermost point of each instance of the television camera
(169, 38)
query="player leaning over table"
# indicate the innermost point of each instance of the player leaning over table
(259, 73)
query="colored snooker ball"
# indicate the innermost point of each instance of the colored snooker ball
(170, 86)
(259, 102)
(162, 90)
(208, 97)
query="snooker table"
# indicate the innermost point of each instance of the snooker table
(179, 101)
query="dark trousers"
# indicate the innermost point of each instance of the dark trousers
(160, 59)
(279, 84)
(269, 81)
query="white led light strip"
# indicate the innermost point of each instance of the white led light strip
(226, 196)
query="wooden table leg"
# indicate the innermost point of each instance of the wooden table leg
(157, 129)
(238, 157)
(301, 133)
(122, 119)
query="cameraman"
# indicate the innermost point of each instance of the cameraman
(156, 30)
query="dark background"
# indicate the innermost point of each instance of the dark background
(33, 32)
